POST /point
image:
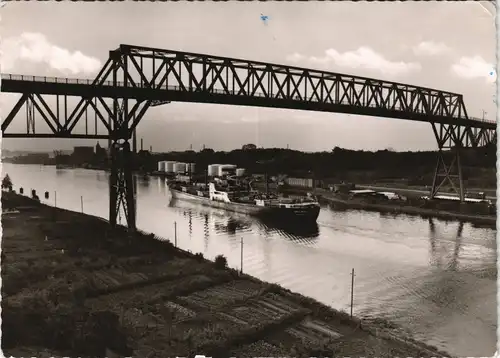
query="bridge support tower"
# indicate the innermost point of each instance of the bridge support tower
(452, 140)
(122, 145)
(449, 165)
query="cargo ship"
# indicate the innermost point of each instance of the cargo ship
(237, 199)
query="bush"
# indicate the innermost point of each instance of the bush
(7, 183)
(199, 256)
(220, 262)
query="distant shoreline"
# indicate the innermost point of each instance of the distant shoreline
(411, 210)
(331, 198)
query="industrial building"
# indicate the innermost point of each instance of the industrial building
(300, 182)
(82, 154)
(171, 167)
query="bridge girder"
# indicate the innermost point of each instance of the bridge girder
(161, 76)
(136, 78)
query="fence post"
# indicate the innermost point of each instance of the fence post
(55, 205)
(81, 202)
(175, 233)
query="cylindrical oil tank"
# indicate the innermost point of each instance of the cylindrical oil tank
(240, 172)
(213, 170)
(220, 170)
(169, 166)
(179, 167)
(191, 168)
(225, 168)
(161, 166)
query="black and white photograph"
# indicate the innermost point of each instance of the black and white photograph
(243, 179)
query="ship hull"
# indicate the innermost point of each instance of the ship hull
(282, 214)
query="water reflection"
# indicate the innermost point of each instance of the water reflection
(60, 172)
(291, 230)
(206, 232)
(143, 181)
(438, 253)
(231, 225)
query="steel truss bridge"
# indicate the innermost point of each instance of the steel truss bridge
(136, 78)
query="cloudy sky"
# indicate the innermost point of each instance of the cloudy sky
(448, 46)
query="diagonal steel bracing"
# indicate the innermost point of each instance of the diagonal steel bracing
(451, 140)
(161, 76)
(135, 78)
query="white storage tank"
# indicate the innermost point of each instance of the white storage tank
(169, 166)
(213, 170)
(191, 168)
(161, 166)
(226, 169)
(179, 167)
(240, 172)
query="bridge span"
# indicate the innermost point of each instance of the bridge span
(135, 78)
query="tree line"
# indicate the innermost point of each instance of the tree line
(325, 164)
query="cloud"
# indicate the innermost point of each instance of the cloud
(430, 48)
(35, 48)
(363, 57)
(473, 68)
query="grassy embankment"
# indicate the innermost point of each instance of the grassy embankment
(73, 287)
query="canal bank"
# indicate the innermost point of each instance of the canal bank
(341, 202)
(71, 286)
(488, 220)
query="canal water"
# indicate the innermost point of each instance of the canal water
(432, 278)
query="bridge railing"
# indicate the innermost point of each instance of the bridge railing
(179, 88)
(477, 119)
(54, 79)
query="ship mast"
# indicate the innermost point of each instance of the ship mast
(265, 164)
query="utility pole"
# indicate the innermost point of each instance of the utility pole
(484, 114)
(267, 182)
(352, 289)
(241, 255)
(175, 233)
